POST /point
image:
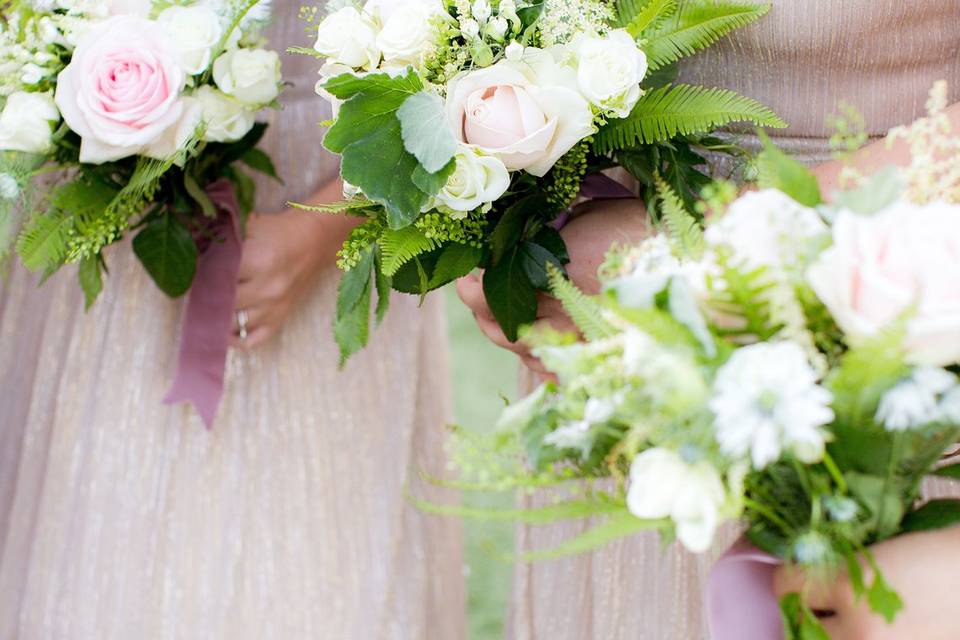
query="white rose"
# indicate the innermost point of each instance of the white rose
(481, 10)
(905, 259)
(195, 31)
(227, 119)
(349, 37)
(26, 122)
(526, 113)
(767, 229)
(663, 485)
(609, 71)
(497, 28)
(478, 179)
(469, 29)
(409, 32)
(252, 76)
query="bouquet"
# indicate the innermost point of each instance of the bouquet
(467, 129)
(144, 112)
(794, 367)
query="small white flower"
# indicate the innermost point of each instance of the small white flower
(32, 74)
(663, 485)
(226, 118)
(514, 51)
(914, 402)
(812, 548)
(609, 71)
(409, 32)
(349, 37)
(481, 10)
(497, 28)
(26, 122)
(9, 189)
(252, 76)
(573, 435)
(477, 179)
(469, 29)
(766, 399)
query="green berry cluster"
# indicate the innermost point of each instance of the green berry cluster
(442, 228)
(563, 182)
(359, 239)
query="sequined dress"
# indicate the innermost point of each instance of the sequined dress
(122, 518)
(881, 56)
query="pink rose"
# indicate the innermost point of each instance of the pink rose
(121, 91)
(904, 258)
(527, 113)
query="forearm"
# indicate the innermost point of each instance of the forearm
(873, 157)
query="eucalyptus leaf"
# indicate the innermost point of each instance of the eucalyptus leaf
(426, 131)
(168, 253)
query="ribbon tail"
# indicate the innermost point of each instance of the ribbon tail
(741, 604)
(208, 322)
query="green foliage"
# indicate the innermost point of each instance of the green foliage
(355, 206)
(664, 113)
(509, 229)
(510, 294)
(744, 296)
(360, 238)
(397, 247)
(90, 277)
(636, 18)
(777, 170)
(682, 227)
(619, 524)
(351, 324)
(562, 184)
(168, 253)
(799, 622)
(697, 25)
(432, 270)
(936, 514)
(44, 242)
(368, 136)
(536, 261)
(258, 160)
(440, 227)
(586, 312)
(426, 131)
(877, 192)
(951, 471)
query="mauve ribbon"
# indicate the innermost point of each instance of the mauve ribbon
(741, 604)
(208, 322)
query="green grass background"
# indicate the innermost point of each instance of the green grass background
(482, 375)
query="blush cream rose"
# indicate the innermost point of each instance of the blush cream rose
(526, 112)
(121, 91)
(905, 259)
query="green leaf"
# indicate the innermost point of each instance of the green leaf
(936, 514)
(799, 622)
(90, 278)
(535, 260)
(353, 206)
(682, 109)
(510, 226)
(877, 191)
(883, 599)
(697, 26)
(43, 243)
(382, 283)
(431, 183)
(456, 260)
(882, 500)
(586, 312)
(777, 170)
(351, 325)
(246, 191)
(950, 471)
(551, 240)
(397, 247)
(199, 196)
(258, 160)
(168, 253)
(426, 131)
(636, 20)
(510, 295)
(557, 512)
(684, 230)
(618, 525)
(367, 134)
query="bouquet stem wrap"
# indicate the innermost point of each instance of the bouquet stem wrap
(741, 604)
(209, 317)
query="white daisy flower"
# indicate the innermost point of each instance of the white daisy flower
(915, 401)
(576, 435)
(766, 400)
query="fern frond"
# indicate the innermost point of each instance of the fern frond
(684, 230)
(635, 17)
(399, 246)
(44, 241)
(586, 312)
(681, 109)
(697, 26)
(354, 206)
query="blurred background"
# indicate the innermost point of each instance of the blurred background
(483, 374)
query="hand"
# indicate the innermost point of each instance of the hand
(924, 569)
(281, 254)
(588, 237)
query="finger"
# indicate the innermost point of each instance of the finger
(470, 290)
(495, 334)
(817, 593)
(255, 317)
(836, 628)
(536, 366)
(248, 295)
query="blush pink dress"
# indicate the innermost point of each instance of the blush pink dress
(881, 56)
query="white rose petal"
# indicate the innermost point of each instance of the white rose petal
(470, 28)
(514, 51)
(481, 10)
(477, 179)
(195, 31)
(349, 37)
(497, 28)
(226, 119)
(609, 71)
(252, 76)
(409, 32)
(26, 123)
